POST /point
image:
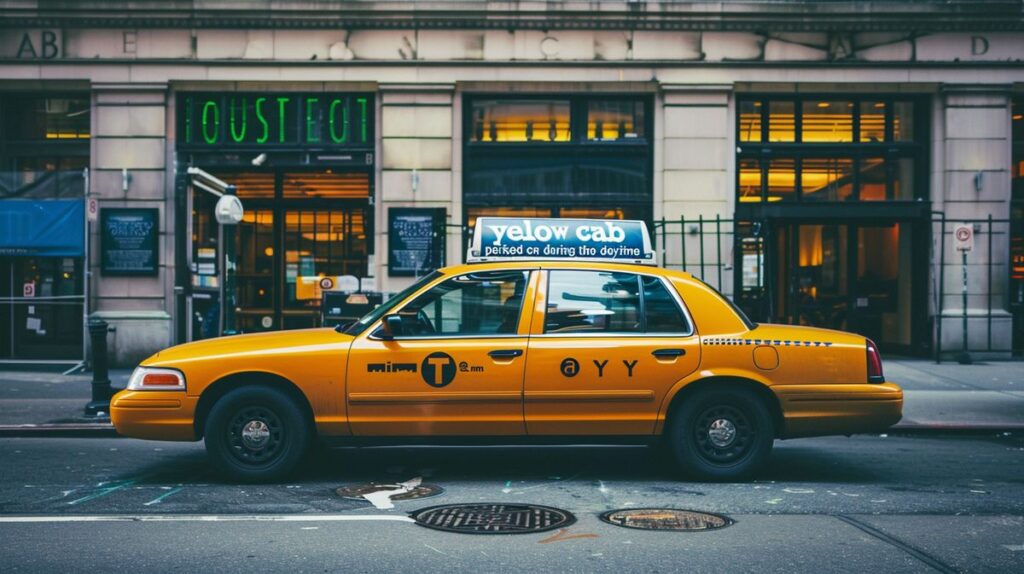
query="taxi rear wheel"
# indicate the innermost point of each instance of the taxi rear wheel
(722, 435)
(256, 434)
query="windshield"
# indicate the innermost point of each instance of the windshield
(369, 318)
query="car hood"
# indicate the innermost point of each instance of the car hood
(300, 340)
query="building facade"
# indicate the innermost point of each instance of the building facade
(816, 161)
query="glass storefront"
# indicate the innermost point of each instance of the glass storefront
(44, 156)
(308, 211)
(1017, 225)
(831, 227)
(557, 156)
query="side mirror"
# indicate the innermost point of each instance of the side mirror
(391, 326)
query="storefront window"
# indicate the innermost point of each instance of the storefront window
(903, 121)
(615, 120)
(826, 121)
(35, 117)
(521, 121)
(872, 179)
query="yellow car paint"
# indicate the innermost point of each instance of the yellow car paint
(815, 379)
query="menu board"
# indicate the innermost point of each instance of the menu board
(129, 239)
(415, 240)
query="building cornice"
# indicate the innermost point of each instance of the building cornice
(778, 15)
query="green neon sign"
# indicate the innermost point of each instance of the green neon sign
(236, 120)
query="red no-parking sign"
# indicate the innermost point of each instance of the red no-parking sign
(963, 237)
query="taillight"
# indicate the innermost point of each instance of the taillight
(874, 363)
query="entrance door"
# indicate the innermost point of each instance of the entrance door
(41, 308)
(854, 277)
(455, 368)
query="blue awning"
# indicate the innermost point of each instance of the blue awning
(45, 227)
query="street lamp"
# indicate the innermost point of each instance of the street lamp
(228, 212)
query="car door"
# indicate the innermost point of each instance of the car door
(605, 349)
(456, 366)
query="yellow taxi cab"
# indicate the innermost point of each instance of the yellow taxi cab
(556, 331)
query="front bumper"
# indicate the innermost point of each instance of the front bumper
(154, 415)
(820, 410)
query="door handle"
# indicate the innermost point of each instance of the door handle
(668, 353)
(505, 353)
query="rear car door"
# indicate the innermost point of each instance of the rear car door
(456, 367)
(610, 346)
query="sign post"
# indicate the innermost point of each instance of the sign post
(963, 241)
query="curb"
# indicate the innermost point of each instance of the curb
(955, 428)
(92, 430)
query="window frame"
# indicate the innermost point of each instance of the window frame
(375, 328)
(890, 151)
(643, 309)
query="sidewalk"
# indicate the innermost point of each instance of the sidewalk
(938, 398)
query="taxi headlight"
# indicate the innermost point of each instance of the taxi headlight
(154, 379)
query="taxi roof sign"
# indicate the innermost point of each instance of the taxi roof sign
(519, 238)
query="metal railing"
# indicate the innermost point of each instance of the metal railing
(684, 244)
(991, 234)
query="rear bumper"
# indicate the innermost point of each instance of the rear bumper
(154, 415)
(820, 410)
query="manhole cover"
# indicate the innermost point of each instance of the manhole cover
(491, 518)
(665, 519)
(359, 491)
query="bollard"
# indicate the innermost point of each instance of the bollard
(101, 389)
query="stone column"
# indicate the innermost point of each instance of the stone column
(129, 133)
(417, 143)
(975, 184)
(696, 178)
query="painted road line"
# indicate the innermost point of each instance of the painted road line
(204, 518)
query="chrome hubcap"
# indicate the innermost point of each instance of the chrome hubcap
(255, 434)
(721, 432)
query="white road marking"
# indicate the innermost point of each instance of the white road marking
(1014, 547)
(381, 499)
(204, 518)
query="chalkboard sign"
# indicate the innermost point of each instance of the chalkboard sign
(415, 240)
(129, 239)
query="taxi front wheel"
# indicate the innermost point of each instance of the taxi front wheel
(721, 435)
(256, 434)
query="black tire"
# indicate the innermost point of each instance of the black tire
(277, 434)
(706, 448)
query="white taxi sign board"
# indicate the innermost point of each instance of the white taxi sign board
(518, 238)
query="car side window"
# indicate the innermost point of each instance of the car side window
(661, 312)
(484, 303)
(592, 302)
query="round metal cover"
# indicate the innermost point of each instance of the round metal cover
(358, 491)
(493, 518)
(665, 519)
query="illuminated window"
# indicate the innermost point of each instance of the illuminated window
(781, 180)
(781, 121)
(521, 121)
(750, 120)
(903, 121)
(750, 180)
(826, 121)
(824, 149)
(826, 179)
(872, 121)
(872, 179)
(615, 120)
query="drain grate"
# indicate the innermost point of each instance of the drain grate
(492, 518)
(359, 491)
(666, 519)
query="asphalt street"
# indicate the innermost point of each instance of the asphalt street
(884, 503)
